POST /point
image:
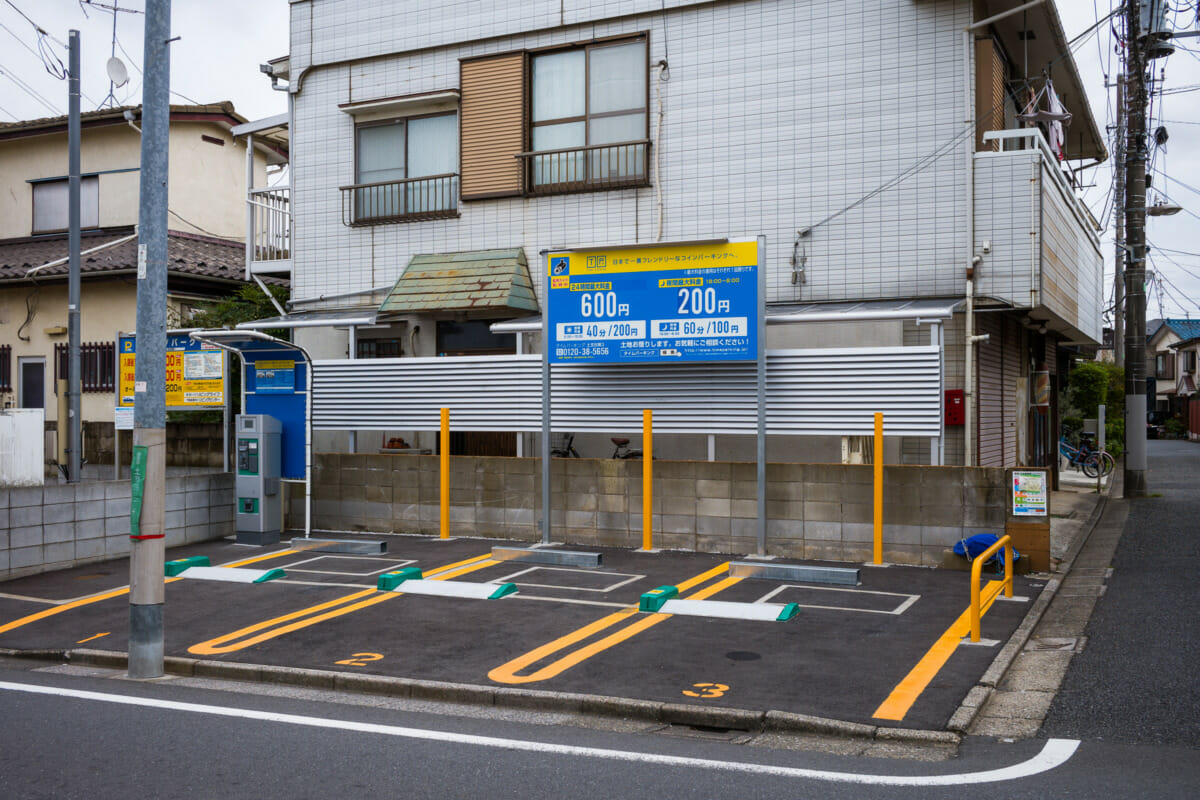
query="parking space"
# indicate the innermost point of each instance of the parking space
(571, 629)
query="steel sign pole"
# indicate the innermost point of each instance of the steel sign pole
(761, 395)
(148, 473)
(74, 387)
(546, 419)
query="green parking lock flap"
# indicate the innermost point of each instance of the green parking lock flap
(503, 590)
(388, 581)
(173, 568)
(270, 575)
(653, 600)
(788, 611)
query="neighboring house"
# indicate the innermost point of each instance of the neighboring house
(206, 247)
(1171, 346)
(455, 146)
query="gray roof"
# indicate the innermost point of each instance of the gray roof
(191, 257)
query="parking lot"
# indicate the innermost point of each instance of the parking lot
(886, 651)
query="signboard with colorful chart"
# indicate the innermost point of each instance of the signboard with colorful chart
(195, 373)
(687, 302)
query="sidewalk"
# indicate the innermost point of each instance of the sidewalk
(1084, 528)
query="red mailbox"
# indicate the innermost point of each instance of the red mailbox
(956, 409)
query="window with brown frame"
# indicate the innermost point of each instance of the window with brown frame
(1164, 366)
(97, 366)
(404, 169)
(1188, 360)
(588, 118)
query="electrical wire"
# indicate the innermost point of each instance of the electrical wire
(20, 84)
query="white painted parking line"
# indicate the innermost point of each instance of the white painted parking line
(906, 600)
(1055, 752)
(590, 574)
(388, 565)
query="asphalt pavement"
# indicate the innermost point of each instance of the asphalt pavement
(885, 653)
(1137, 680)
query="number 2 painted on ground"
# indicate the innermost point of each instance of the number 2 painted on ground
(360, 659)
(707, 690)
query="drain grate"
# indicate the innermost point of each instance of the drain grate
(1052, 643)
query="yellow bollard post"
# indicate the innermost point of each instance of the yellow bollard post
(444, 470)
(878, 488)
(647, 479)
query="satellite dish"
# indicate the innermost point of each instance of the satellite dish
(117, 72)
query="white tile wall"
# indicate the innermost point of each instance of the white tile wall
(778, 115)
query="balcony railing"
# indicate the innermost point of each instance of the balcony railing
(270, 226)
(432, 197)
(586, 169)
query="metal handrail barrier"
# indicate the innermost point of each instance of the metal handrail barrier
(427, 197)
(589, 168)
(977, 572)
(271, 218)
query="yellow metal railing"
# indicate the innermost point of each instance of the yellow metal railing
(977, 571)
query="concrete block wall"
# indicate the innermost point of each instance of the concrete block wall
(189, 444)
(814, 511)
(50, 527)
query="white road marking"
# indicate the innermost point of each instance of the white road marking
(1055, 753)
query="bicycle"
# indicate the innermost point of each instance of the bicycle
(1094, 463)
(622, 449)
(567, 448)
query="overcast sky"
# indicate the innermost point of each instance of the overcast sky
(224, 41)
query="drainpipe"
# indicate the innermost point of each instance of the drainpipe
(969, 378)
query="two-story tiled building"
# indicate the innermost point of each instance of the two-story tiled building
(890, 152)
(206, 245)
(1171, 353)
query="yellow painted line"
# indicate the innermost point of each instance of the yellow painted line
(50, 612)
(898, 703)
(265, 630)
(507, 673)
(97, 636)
(96, 598)
(256, 559)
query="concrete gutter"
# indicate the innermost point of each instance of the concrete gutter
(503, 697)
(962, 719)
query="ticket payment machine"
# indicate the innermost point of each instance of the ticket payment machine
(259, 516)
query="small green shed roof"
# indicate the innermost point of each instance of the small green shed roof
(493, 281)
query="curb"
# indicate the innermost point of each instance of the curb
(962, 719)
(502, 697)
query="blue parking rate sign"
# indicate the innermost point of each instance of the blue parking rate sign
(694, 302)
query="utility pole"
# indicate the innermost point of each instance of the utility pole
(1135, 272)
(1119, 221)
(74, 436)
(148, 471)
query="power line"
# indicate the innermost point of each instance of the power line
(41, 31)
(28, 90)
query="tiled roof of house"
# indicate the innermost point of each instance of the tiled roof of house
(189, 255)
(116, 116)
(1184, 328)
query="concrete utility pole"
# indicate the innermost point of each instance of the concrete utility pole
(1119, 221)
(74, 436)
(148, 511)
(1135, 237)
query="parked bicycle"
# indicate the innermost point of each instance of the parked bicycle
(622, 449)
(1094, 463)
(566, 448)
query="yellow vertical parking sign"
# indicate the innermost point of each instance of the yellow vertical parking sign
(195, 373)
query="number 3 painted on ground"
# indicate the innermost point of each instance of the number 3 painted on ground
(707, 690)
(360, 659)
